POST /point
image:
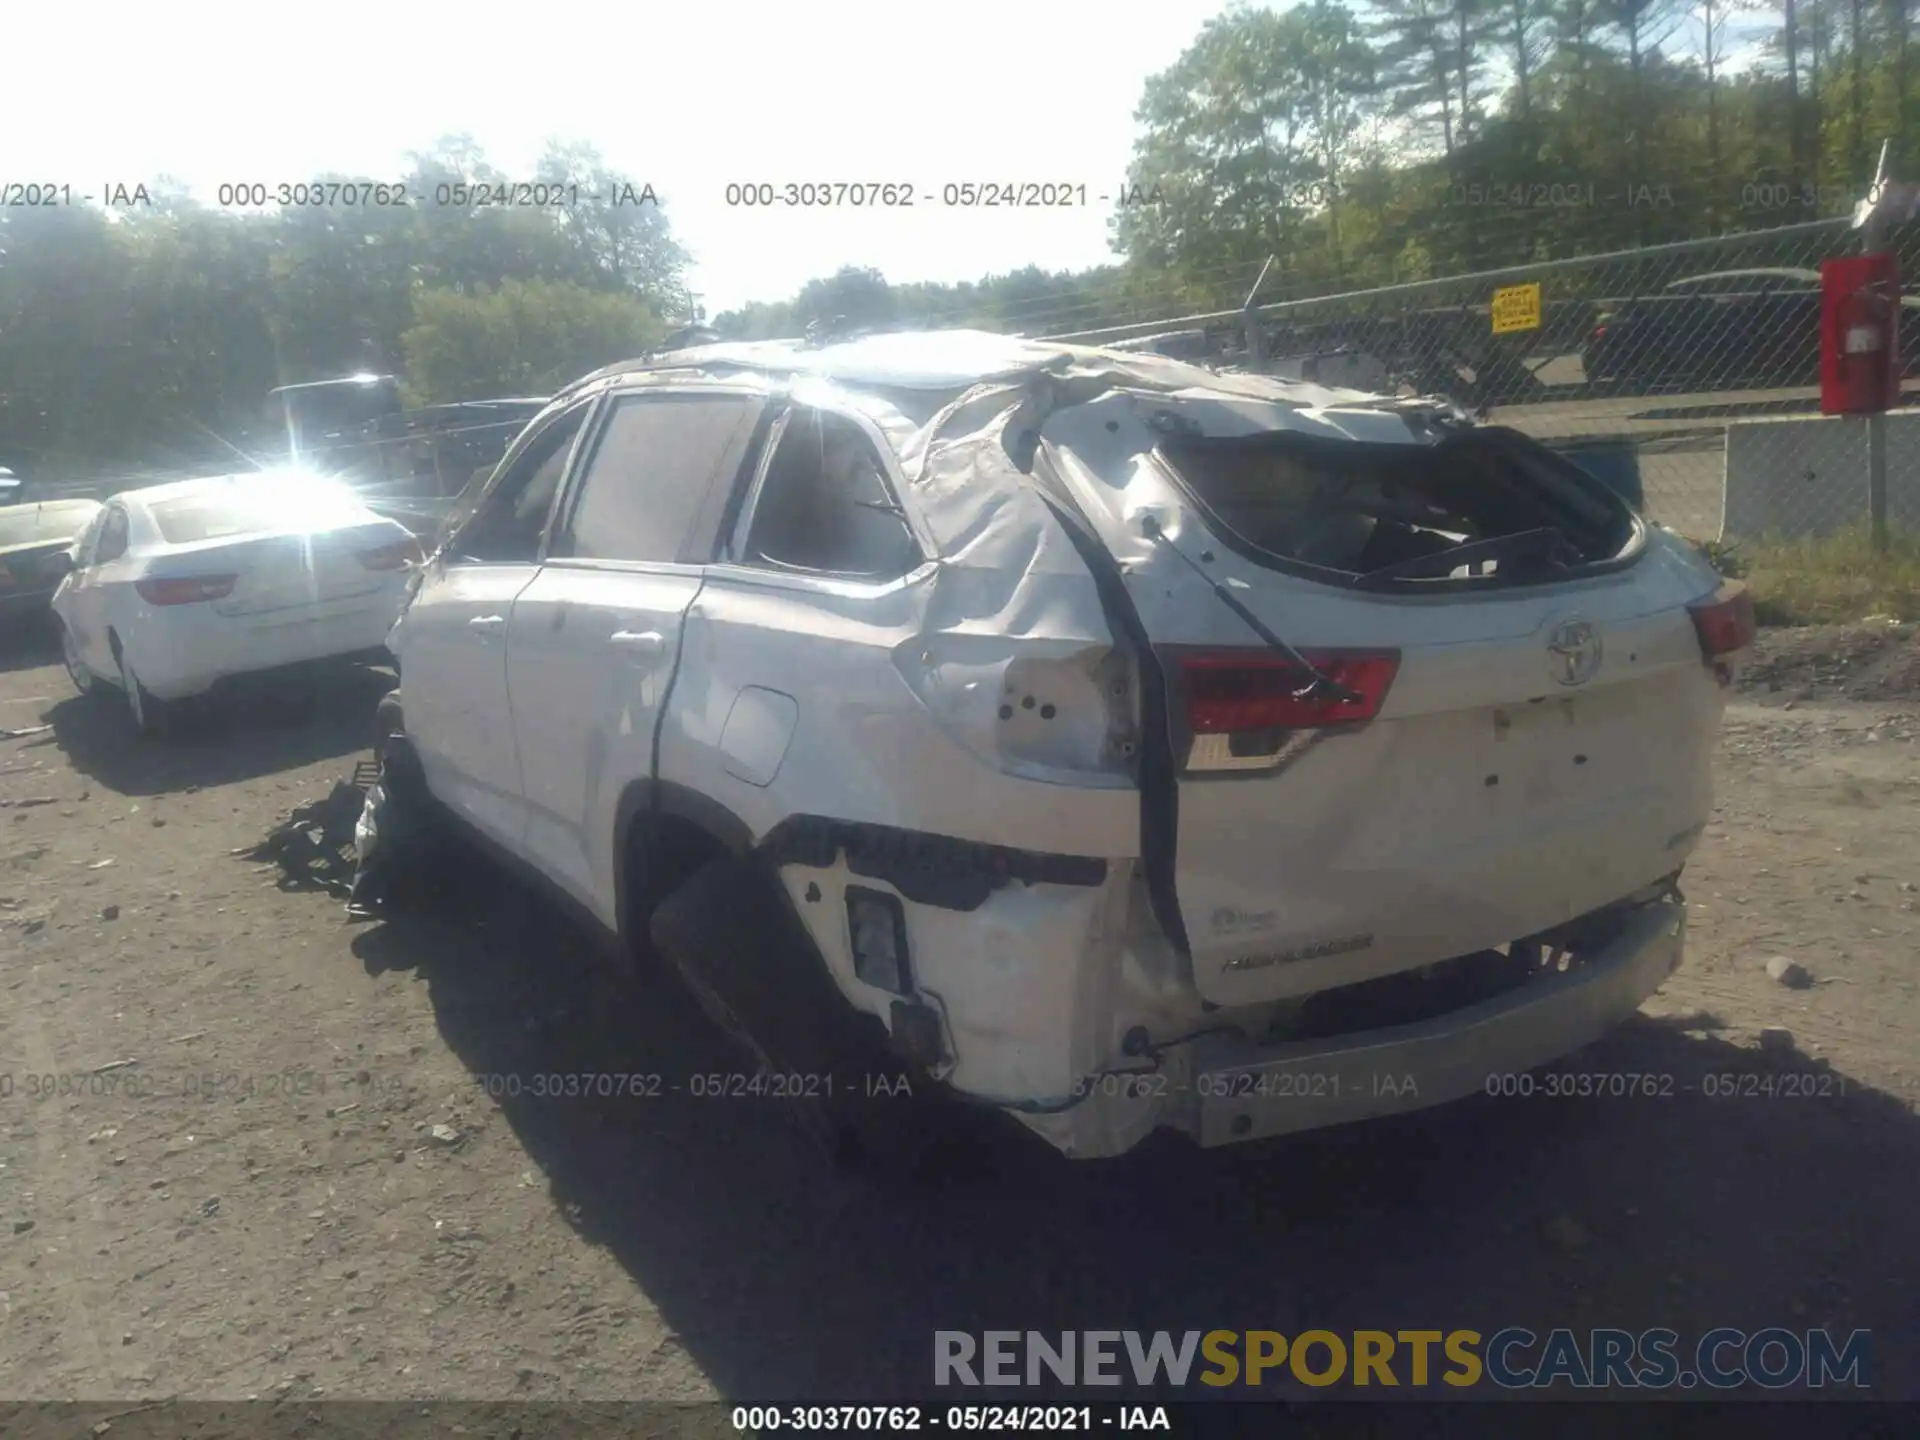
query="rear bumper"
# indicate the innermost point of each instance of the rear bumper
(1222, 1089)
(191, 661)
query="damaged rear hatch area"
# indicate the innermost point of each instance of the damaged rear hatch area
(1432, 690)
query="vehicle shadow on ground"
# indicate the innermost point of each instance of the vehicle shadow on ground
(1677, 1208)
(27, 642)
(261, 725)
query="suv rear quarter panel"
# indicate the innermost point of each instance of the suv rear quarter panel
(916, 705)
(864, 745)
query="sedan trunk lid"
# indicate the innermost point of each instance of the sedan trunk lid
(292, 576)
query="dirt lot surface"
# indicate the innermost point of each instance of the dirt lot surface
(294, 1181)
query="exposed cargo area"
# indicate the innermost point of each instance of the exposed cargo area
(1481, 504)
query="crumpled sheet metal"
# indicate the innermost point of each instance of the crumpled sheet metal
(963, 412)
(961, 461)
(1010, 593)
(949, 402)
(1011, 586)
(950, 361)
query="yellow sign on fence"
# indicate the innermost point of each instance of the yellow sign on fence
(1516, 307)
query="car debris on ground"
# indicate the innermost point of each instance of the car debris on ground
(314, 845)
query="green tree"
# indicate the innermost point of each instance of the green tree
(617, 227)
(522, 337)
(1523, 29)
(1341, 75)
(852, 298)
(1226, 146)
(1417, 66)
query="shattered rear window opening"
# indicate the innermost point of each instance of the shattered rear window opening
(1359, 508)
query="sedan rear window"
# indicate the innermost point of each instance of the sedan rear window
(194, 518)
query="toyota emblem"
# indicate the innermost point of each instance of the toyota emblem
(1573, 652)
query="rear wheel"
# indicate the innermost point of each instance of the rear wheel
(400, 847)
(399, 767)
(662, 855)
(736, 944)
(83, 679)
(151, 716)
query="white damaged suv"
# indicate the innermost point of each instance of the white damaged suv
(1125, 744)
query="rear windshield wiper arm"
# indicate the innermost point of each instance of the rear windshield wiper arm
(1319, 686)
(1544, 544)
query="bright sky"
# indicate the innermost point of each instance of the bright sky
(687, 97)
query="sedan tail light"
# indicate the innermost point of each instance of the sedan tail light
(185, 589)
(396, 556)
(1725, 623)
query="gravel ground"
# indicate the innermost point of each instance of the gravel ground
(268, 1162)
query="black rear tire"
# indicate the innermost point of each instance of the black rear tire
(152, 718)
(412, 854)
(399, 766)
(731, 936)
(85, 683)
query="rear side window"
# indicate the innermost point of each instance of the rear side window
(656, 463)
(89, 541)
(113, 537)
(507, 527)
(826, 508)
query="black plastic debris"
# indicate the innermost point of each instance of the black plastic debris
(314, 845)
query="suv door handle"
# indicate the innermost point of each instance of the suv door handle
(644, 642)
(486, 624)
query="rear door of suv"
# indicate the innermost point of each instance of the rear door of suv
(1510, 756)
(452, 639)
(595, 636)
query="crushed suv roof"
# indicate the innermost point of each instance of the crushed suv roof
(955, 360)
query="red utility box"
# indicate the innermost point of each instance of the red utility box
(1859, 334)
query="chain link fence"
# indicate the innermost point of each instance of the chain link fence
(1689, 371)
(1699, 360)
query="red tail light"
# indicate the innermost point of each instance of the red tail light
(1599, 334)
(396, 556)
(1724, 621)
(1232, 691)
(185, 589)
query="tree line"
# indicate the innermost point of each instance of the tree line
(151, 329)
(1324, 147)
(1425, 138)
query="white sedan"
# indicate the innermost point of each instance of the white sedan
(177, 587)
